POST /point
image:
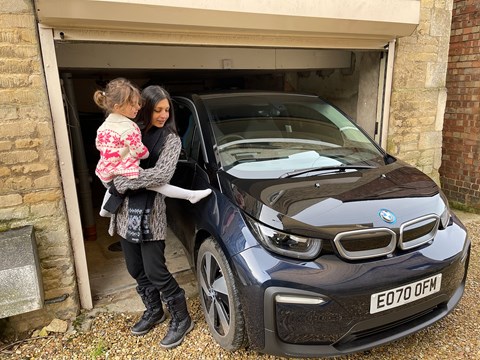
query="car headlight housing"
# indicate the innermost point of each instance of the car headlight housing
(293, 246)
(445, 216)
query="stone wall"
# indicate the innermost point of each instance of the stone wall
(30, 186)
(418, 91)
(460, 171)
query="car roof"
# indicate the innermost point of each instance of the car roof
(212, 94)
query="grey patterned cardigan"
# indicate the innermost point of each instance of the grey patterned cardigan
(158, 175)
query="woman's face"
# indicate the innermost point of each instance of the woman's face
(160, 113)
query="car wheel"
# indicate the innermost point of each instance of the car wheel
(219, 297)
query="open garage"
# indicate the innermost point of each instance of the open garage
(342, 52)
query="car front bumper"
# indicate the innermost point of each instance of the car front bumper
(341, 323)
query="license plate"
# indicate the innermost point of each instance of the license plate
(393, 298)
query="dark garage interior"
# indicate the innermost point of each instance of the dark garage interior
(353, 88)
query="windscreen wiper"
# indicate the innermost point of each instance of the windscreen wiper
(252, 159)
(340, 168)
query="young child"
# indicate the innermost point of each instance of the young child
(119, 141)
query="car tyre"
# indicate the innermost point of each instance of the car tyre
(219, 297)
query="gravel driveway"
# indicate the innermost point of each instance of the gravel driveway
(455, 337)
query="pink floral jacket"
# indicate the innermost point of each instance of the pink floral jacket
(120, 144)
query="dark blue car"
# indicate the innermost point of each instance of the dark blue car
(314, 242)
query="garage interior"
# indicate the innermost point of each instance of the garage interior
(351, 80)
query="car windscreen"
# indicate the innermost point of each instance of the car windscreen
(268, 136)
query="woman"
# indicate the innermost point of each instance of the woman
(141, 221)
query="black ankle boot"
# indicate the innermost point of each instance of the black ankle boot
(180, 324)
(154, 311)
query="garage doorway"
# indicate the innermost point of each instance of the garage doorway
(352, 80)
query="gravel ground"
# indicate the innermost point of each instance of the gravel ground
(455, 337)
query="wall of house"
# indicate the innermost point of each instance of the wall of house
(419, 91)
(30, 186)
(460, 171)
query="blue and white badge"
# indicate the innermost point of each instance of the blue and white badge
(387, 216)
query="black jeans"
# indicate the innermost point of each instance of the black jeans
(146, 264)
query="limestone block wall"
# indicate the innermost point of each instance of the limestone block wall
(418, 90)
(460, 171)
(30, 186)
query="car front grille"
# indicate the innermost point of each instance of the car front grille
(418, 232)
(365, 243)
(377, 242)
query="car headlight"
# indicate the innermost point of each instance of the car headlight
(298, 247)
(446, 216)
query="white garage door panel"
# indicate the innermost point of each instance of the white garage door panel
(280, 23)
(182, 37)
(131, 56)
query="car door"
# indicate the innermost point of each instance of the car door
(181, 214)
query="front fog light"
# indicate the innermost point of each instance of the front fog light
(296, 299)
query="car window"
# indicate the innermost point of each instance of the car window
(185, 126)
(266, 136)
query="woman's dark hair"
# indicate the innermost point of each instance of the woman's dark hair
(151, 96)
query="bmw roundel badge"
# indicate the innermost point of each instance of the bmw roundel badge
(387, 216)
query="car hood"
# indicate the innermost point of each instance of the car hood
(325, 204)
